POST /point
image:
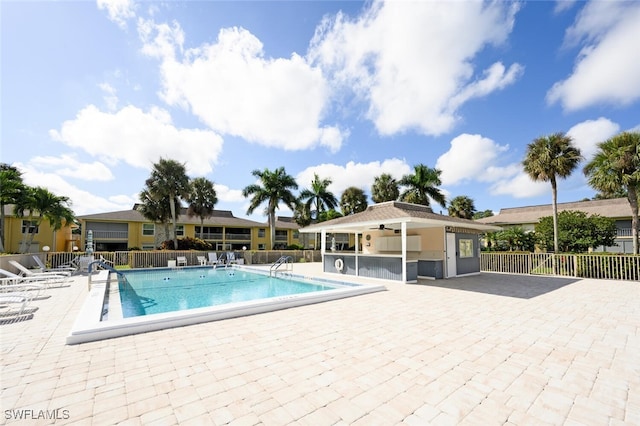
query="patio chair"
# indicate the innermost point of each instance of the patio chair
(43, 267)
(231, 257)
(14, 306)
(213, 258)
(33, 288)
(26, 272)
(181, 261)
(202, 260)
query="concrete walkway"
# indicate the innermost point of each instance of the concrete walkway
(483, 350)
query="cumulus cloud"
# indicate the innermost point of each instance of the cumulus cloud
(412, 63)
(234, 89)
(607, 68)
(82, 201)
(139, 138)
(226, 194)
(119, 11)
(360, 175)
(70, 166)
(588, 134)
(520, 185)
(110, 96)
(468, 158)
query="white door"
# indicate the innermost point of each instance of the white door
(451, 255)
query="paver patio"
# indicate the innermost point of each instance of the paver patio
(488, 349)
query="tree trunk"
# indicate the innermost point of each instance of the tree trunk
(272, 228)
(172, 205)
(554, 191)
(633, 202)
(2, 217)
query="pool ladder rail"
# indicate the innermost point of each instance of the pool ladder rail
(287, 261)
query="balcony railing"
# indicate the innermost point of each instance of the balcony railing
(209, 235)
(623, 232)
(110, 235)
(238, 237)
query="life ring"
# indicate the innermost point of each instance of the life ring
(339, 264)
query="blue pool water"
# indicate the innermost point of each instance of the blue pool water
(156, 291)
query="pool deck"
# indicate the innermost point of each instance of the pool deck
(487, 349)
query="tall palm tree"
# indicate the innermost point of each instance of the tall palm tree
(353, 200)
(421, 185)
(547, 159)
(319, 196)
(202, 199)
(11, 186)
(38, 204)
(384, 188)
(615, 168)
(462, 207)
(169, 180)
(274, 187)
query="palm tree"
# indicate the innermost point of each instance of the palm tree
(384, 188)
(318, 196)
(11, 186)
(202, 199)
(615, 168)
(158, 211)
(169, 180)
(275, 187)
(421, 185)
(353, 200)
(547, 159)
(462, 207)
(38, 204)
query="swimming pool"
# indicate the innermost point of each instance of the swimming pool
(105, 314)
(150, 292)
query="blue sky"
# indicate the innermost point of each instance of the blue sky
(93, 93)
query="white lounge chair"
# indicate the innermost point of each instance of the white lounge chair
(26, 272)
(213, 258)
(47, 280)
(231, 257)
(34, 288)
(202, 260)
(181, 261)
(14, 306)
(43, 267)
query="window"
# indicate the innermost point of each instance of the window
(180, 230)
(465, 248)
(148, 229)
(261, 246)
(296, 234)
(29, 227)
(148, 247)
(261, 233)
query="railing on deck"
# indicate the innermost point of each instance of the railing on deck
(602, 266)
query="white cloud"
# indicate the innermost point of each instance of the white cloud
(588, 134)
(235, 90)
(69, 166)
(119, 11)
(412, 61)
(607, 69)
(563, 5)
(82, 202)
(360, 175)
(228, 195)
(468, 158)
(139, 138)
(520, 185)
(110, 97)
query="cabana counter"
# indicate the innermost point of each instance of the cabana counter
(381, 266)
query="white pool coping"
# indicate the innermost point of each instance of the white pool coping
(88, 326)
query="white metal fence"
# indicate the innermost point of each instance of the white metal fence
(602, 266)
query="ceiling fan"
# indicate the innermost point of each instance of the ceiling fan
(381, 227)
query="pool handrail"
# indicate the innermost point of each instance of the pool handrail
(283, 260)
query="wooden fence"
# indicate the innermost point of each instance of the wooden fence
(602, 266)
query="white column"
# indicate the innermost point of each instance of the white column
(403, 228)
(356, 243)
(323, 242)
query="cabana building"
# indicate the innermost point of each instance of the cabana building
(403, 242)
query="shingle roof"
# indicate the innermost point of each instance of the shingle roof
(218, 218)
(395, 212)
(617, 208)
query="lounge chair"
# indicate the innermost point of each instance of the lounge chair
(231, 257)
(33, 288)
(14, 306)
(181, 261)
(213, 258)
(202, 260)
(43, 267)
(26, 272)
(47, 280)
